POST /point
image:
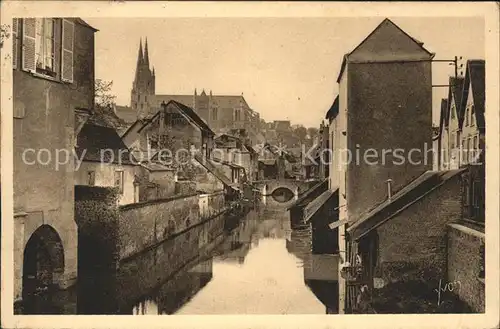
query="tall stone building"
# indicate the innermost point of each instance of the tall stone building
(221, 112)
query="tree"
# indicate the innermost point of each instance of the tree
(312, 132)
(4, 33)
(104, 100)
(103, 96)
(301, 133)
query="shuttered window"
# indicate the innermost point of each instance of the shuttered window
(68, 29)
(42, 50)
(15, 46)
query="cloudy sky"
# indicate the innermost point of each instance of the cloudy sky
(285, 67)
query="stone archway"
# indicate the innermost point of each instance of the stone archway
(43, 261)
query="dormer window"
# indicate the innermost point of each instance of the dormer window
(467, 117)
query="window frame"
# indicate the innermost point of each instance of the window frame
(91, 178)
(42, 38)
(121, 177)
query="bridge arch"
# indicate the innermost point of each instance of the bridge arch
(268, 187)
(43, 261)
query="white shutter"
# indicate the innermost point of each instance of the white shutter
(68, 30)
(15, 32)
(29, 43)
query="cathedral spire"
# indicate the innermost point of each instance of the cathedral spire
(140, 60)
(146, 54)
(140, 57)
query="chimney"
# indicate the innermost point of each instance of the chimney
(389, 189)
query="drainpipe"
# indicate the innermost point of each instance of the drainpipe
(389, 189)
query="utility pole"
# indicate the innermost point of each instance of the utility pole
(453, 62)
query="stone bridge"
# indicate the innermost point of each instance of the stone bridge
(268, 187)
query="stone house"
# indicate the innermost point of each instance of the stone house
(53, 95)
(106, 161)
(384, 103)
(173, 131)
(472, 124)
(462, 126)
(170, 138)
(232, 150)
(417, 235)
(450, 126)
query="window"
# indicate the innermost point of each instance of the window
(467, 150)
(45, 49)
(119, 180)
(214, 114)
(472, 116)
(91, 178)
(237, 115)
(470, 146)
(453, 112)
(467, 117)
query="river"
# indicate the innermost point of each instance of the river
(255, 264)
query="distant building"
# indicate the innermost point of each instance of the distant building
(220, 112)
(462, 125)
(232, 150)
(450, 127)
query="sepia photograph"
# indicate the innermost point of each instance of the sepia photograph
(296, 161)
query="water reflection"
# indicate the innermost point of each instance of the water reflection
(254, 265)
(282, 194)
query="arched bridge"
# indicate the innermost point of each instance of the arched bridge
(268, 187)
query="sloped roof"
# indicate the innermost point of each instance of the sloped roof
(444, 116)
(82, 22)
(126, 113)
(475, 76)
(310, 194)
(223, 101)
(334, 109)
(317, 203)
(92, 139)
(193, 116)
(456, 90)
(389, 23)
(211, 166)
(268, 162)
(153, 166)
(186, 110)
(412, 192)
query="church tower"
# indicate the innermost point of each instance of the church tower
(143, 88)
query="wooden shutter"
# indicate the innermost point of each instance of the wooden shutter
(57, 47)
(68, 30)
(15, 46)
(28, 51)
